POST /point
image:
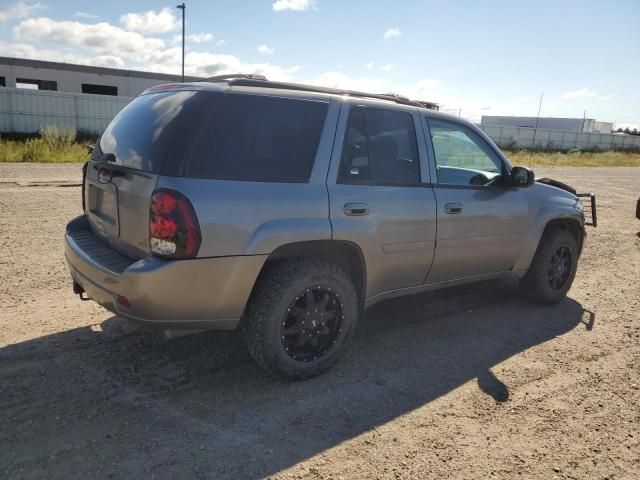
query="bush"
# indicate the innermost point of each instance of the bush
(54, 145)
(58, 137)
(34, 150)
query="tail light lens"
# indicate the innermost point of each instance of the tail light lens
(173, 227)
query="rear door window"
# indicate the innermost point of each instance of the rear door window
(380, 148)
(142, 134)
(259, 138)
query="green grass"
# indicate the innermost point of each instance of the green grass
(57, 145)
(54, 145)
(574, 159)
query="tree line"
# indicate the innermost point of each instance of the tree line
(628, 131)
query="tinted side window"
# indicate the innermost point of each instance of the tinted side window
(380, 148)
(257, 138)
(461, 157)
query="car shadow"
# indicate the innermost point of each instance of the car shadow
(94, 403)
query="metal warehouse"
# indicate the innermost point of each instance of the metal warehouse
(65, 77)
(587, 125)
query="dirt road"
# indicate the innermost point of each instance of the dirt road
(471, 382)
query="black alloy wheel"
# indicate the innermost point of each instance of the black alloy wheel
(301, 317)
(560, 268)
(312, 324)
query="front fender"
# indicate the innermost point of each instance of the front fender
(546, 214)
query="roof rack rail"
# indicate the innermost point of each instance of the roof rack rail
(233, 76)
(251, 80)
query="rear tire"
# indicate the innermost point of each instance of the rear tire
(301, 316)
(553, 267)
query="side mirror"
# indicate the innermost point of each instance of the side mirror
(522, 177)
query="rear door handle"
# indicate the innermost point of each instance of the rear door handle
(355, 209)
(453, 208)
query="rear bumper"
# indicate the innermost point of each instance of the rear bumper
(172, 294)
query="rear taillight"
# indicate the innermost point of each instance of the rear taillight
(173, 227)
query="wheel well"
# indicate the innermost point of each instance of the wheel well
(345, 255)
(567, 224)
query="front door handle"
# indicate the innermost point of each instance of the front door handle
(453, 208)
(355, 209)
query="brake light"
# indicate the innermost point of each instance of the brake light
(173, 227)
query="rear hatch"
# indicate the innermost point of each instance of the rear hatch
(148, 138)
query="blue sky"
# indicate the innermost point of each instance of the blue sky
(480, 57)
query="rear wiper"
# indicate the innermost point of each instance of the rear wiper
(107, 163)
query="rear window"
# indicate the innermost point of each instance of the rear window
(258, 138)
(144, 132)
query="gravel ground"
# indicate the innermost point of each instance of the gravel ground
(471, 382)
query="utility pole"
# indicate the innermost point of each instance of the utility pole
(539, 108)
(182, 7)
(535, 131)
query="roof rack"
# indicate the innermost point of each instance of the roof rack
(249, 80)
(233, 76)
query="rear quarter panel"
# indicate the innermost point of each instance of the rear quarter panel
(252, 218)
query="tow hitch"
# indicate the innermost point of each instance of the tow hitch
(78, 290)
(590, 214)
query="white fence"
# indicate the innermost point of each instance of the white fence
(29, 111)
(543, 139)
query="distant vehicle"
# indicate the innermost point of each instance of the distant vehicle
(284, 210)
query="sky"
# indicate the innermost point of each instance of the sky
(475, 58)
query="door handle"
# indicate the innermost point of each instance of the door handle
(355, 209)
(453, 208)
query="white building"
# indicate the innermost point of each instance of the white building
(65, 77)
(549, 123)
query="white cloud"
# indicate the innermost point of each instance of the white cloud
(392, 33)
(107, 45)
(110, 61)
(23, 50)
(194, 38)
(265, 49)
(335, 79)
(220, 43)
(20, 10)
(606, 97)
(207, 64)
(582, 93)
(386, 68)
(150, 22)
(200, 37)
(428, 84)
(102, 38)
(428, 89)
(89, 16)
(369, 66)
(295, 5)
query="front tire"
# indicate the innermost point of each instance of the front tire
(300, 318)
(553, 268)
